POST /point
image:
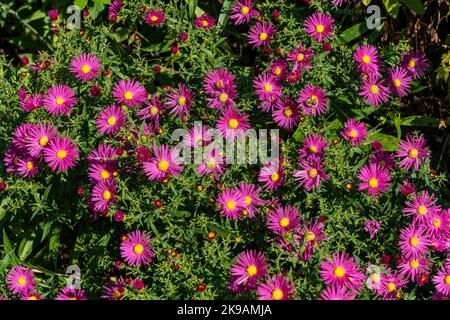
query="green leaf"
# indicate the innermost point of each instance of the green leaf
(223, 17)
(354, 32)
(388, 142)
(420, 121)
(25, 248)
(81, 3)
(366, 2)
(392, 7)
(414, 5)
(192, 7)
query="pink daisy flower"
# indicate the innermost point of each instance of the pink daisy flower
(218, 80)
(71, 294)
(283, 220)
(31, 296)
(342, 270)
(249, 267)
(213, 164)
(30, 103)
(27, 167)
(251, 198)
(224, 98)
(421, 207)
(413, 268)
(319, 26)
(337, 292)
(103, 195)
(197, 136)
(129, 92)
(61, 154)
(400, 81)
(286, 114)
(204, 22)
(114, 291)
(180, 100)
(313, 147)
(111, 119)
(165, 163)
(101, 171)
(103, 153)
(136, 249)
(276, 288)
(438, 223)
(20, 280)
(272, 175)
(374, 179)
(152, 110)
(383, 159)
(279, 69)
(355, 132)
(155, 17)
(413, 151)
(415, 63)
(392, 283)
(59, 100)
(313, 100)
(373, 91)
(442, 280)
(413, 241)
(267, 88)
(311, 174)
(232, 124)
(39, 137)
(261, 34)
(231, 203)
(86, 67)
(367, 59)
(242, 12)
(301, 58)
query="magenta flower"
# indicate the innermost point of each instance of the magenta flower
(413, 151)
(283, 219)
(413, 268)
(165, 163)
(313, 147)
(213, 164)
(337, 292)
(61, 154)
(111, 119)
(251, 198)
(217, 81)
(272, 175)
(372, 227)
(313, 100)
(415, 63)
(101, 171)
(103, 195)
(232, 125)
(250, 266)
(155, 17)
(242, 12)
(301, 58)
(442, 280)
(30, 103)
(276, 288)
(400, 81)
(136, 249)
(311, 174)
(421, 207)
(367, 59)
(267, 88)
(383, 159)
(129, 92)
(261, 34)
(413, 241)
(71, 294)
(319, 26)
(286, 114)
(374, 179)
(355, 132)
(204, 22)
(27, 167)
(86, 67)
(279, 69)
(373, 91)
(341, 269)
(20, 280)
(231, 203)
(39, 137)
(59, 100)
(180, 100)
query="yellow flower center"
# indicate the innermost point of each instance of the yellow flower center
(128, 95)
(116, 294)
(111, 121)
(300, 57)
(376, 278)
(138, 249)
(373, 182)
(85, 69)
(21, 281)
(310, 236)
(284, 222)
(422, 210)
(211, 163)
(154, 18)
(43, 141)
(414, 263)
(274, 176)
(312, 173)
(391, 286)
(268, 87)
(205, 23)
(104, 174)
(339, 272)
(288, 112)
(248, 200)
(154, 110)
(182, 101)
(163, 165)
(233, 123)
(29, 165)
(447, 279)
(32, 298)
(413, 153)
(397, 83)
(231, 205)
(277, 294)
(374, 89)
(59, 101)
(437, 222)
(320, 28)
(107, 195)
(313, 149)
(353, 133)
(414, 242)
(252, 270)
(263, 36)
(277, 71)
(412, 63)
(61, 154)
(245, 10)
(366, 59)
(223, 97)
